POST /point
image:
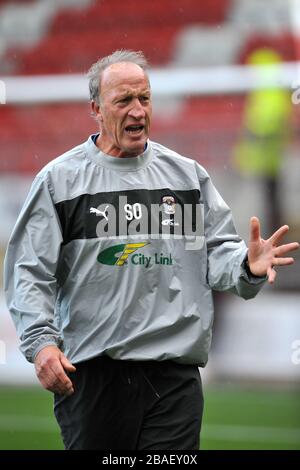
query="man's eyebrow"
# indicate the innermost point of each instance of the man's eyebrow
(121, 96)
(128, 94)
(147, 91)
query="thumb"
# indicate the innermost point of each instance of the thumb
(271, 273)
(254, 229)
(67, 365)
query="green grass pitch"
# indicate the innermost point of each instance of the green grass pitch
(233, 419)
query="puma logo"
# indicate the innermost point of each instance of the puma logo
(93, 210)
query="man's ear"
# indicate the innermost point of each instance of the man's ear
(96, 110)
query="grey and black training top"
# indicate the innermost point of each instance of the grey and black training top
(119, 256)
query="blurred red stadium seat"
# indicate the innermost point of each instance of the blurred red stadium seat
(283, 43)
(33, 135)
(78, 37)
(115, 13)
(205, 129)
(73, 52)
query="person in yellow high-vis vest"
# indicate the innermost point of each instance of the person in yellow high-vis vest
(266, 127)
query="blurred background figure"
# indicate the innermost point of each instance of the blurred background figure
(267, 128)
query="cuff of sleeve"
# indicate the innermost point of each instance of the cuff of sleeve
(40, 343)
(248, 276)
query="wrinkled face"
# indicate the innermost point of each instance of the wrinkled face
(125, 109)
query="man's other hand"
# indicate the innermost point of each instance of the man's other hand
(50, 366)
(264, 255)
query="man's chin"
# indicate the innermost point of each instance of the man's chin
(134, 150)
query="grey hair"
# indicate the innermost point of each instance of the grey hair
(95, 72)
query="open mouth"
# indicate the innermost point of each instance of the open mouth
(134, 129)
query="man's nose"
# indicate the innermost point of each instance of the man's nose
(137, 110)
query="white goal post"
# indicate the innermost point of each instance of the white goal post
(165, 82)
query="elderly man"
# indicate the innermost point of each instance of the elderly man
(110, 269)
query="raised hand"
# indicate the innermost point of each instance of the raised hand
(264, 255)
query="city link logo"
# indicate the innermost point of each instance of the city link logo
(119, 255)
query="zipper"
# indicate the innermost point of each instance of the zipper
(148, 381)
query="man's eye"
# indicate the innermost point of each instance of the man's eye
(124, 100)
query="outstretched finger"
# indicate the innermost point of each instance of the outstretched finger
(283, 261)
(283, 249)
(254, 229)
(277, 236)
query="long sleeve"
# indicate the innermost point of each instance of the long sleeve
(29, 271)
(227, 253)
